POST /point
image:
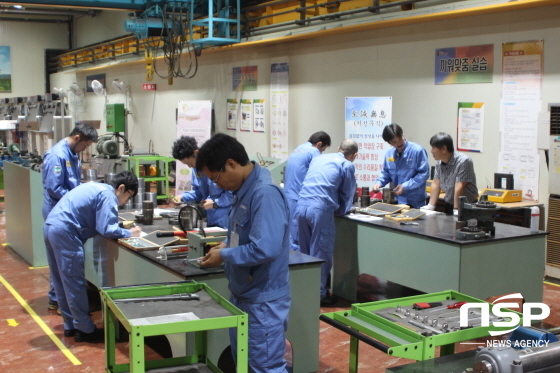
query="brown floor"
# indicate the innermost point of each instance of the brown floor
(31, 338)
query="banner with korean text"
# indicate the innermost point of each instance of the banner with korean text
(194, 118)
(472, 64)
(365, 118)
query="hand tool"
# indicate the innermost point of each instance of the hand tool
(408, 223)
(182, 296)
(421, 326)
(171, 234)
(425, 305)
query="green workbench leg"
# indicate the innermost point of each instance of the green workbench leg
(137, 359)
(447, 349)
(109, 325)
(242, 348)
(354, 345)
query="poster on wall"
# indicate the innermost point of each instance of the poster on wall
(365, 118)
(246, 115)
(522, 71)
(457, 65)
(232, 109)
(5, 70)
(245, 78)
(470, 127)
(258, 115)
(279, 93)
(194, 118)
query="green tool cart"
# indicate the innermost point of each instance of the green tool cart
(395, 327)
(162, 171)
(170, 308)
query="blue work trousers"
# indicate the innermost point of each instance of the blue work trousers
(316, 233)
(268, 323)
(294, 242)
(65, 254)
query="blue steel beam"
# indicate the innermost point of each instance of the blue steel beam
(91, 4)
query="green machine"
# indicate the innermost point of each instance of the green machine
(170, 308)
(274, 165)
(406, 327)
(115, 115)
(199, 244)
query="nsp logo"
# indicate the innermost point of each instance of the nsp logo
(502, 315)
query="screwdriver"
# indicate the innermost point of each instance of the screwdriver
(426, 305)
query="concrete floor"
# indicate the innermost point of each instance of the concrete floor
(31, 337)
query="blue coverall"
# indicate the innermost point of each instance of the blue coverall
(296, 169)
(328, 190)
(257, 268)
(203, 188)
(82, 213)
(61, 173)
(409, 169)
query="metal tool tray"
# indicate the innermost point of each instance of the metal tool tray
(397, 340)
(149, 319)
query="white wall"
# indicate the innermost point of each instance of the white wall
(397, 62)
(28, 42)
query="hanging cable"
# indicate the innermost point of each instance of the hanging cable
(177, 41)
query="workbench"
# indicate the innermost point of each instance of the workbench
(110, 264)
(429, 258)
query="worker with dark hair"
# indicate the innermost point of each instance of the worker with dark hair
(328, 190)
(454, 174)
(256, 254)
(215, 200)
(62, 172)
(406, 166)
(84, 212)
(296, 168)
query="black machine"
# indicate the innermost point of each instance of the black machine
(482, 212)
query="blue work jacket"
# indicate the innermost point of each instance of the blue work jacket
(257, 269)
(88, 210)
(409, 169)
(203, 188)
(61, 173)
(330, 184)
(296, 168)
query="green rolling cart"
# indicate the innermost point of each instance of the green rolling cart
(170, 308)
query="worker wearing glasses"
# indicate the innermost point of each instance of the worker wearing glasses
(62, 171)
(215, 200)
(84, 212)
(256, 254)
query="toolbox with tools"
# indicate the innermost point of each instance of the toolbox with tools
(412, 327)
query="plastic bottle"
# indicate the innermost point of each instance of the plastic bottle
(535, 217)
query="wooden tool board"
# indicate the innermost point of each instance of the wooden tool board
(148, 242)
(409, 215)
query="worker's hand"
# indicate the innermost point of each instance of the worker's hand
(176, 200)
(135, 231)
(428, 207)
(207, 204)
(455, 212)
(399, 189)
(376, 187)
(213, 258)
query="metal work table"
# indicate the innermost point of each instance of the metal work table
(428, 257)
(110, 264)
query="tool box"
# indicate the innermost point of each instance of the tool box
(396, 328)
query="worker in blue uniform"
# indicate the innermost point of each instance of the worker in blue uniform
(216, 201)
(296, 169)
(328, 189)
(256, 254)
(61, 172)
(406, 166)
(84, 212)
